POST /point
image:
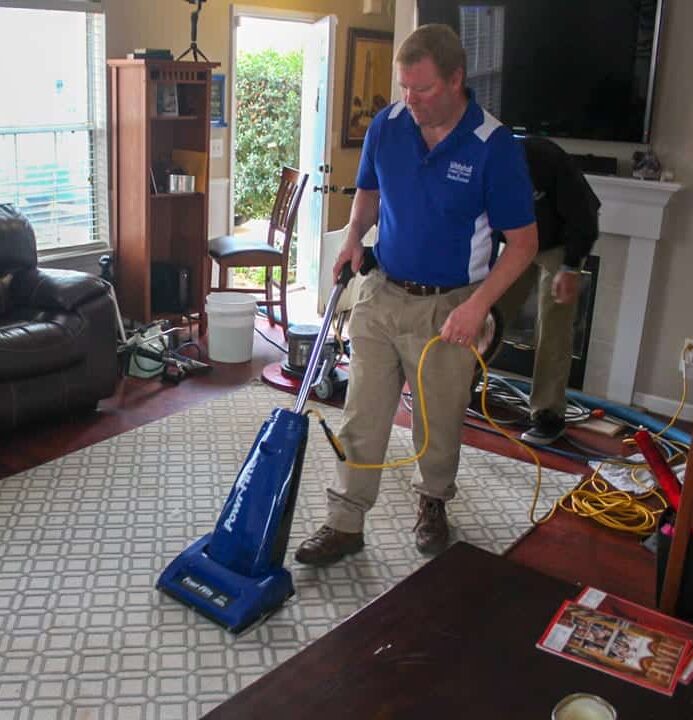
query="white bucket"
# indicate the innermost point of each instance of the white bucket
(231, 317)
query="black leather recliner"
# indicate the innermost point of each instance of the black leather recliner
(58, 338)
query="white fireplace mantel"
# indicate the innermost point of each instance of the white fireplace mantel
(635, 209)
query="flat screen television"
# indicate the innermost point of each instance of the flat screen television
(560, 68)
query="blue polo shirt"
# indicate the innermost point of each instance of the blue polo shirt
(438, 207)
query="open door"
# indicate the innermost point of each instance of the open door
(316, 127)
(316, 130)
(233, 44)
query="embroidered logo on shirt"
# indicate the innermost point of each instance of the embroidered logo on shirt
(459, 172)
(539, 195)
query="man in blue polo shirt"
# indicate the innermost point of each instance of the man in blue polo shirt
(439, 175)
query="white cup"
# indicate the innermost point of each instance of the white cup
(582, 706)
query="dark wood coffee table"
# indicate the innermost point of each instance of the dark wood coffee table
(454, 640)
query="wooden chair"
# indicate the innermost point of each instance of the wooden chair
(231, 251)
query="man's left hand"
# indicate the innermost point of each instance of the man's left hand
(465, 323)
(566, 286)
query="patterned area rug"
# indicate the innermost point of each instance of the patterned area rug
(83, 633)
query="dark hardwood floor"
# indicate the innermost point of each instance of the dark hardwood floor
(567, 547)
(135, 402)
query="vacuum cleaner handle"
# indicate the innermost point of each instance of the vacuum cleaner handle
(369, 261)
(345, 275)
(367, 264)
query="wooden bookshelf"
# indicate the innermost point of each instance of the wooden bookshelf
(158, 226)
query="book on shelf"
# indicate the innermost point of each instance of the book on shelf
(624, 648)
(153, 53)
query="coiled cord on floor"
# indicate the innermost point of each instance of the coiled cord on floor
(617, 509)
(614, 509)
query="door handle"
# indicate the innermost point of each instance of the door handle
(324, 189)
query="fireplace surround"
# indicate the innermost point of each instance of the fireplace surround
(630, 224)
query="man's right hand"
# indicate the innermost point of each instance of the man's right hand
(565, 287)
(350, 253)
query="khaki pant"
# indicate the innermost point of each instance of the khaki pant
(554, 331)
(388, 330)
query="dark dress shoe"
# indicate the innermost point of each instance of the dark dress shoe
(546, 428)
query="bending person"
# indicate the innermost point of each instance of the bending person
(567, 213)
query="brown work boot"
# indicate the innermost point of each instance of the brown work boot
(432, 532)
(327, 546)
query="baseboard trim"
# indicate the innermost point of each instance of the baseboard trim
(662, 406)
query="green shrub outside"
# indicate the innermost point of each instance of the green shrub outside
(268, 131)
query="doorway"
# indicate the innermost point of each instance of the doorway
(281, 67)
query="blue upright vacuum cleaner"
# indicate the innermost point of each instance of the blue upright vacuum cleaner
(235, 575)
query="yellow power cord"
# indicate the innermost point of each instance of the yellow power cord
(615, 509)
(592, 499)
(426, 434)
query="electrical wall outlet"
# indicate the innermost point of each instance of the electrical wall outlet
(686, 358)
(216, 147)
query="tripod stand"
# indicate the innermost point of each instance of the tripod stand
(193, 34)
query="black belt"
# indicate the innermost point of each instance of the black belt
(414, 288)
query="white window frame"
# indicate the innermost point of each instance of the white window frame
(97, 125)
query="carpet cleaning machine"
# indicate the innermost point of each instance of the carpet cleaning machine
(235, 575)
(332, 379)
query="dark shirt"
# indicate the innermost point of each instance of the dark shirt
(566, 208)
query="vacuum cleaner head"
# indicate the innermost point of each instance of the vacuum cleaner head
(234, 575)
(230, 599)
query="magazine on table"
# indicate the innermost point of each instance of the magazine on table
(615, 605)
(629, 650)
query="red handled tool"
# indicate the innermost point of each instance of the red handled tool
(663, 473)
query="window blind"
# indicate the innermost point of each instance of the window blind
(53, 142)
(481, 34)
(66, 5)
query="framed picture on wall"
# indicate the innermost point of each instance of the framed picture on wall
(368, 82)
(218, 100)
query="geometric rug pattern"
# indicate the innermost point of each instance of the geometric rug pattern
(84, 635)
